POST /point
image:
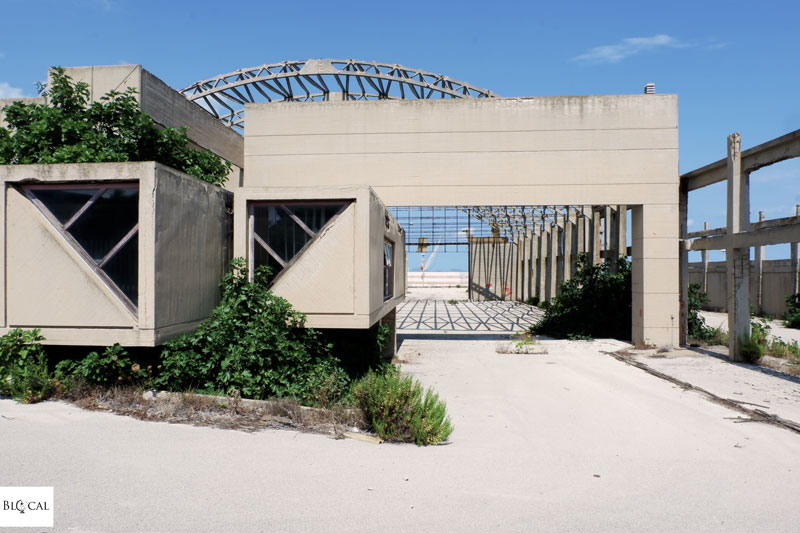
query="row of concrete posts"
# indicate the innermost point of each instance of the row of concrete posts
(532, 261)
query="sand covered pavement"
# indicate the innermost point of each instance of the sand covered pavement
(572, 439)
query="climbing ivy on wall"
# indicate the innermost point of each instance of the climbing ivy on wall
(70, 129)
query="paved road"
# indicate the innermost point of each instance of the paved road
(570, 440)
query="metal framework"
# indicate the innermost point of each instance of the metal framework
(449, 227)
(225, 95)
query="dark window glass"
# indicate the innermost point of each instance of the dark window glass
(64, 203)
(388, 271)
(286, 230)
(101, 228)
(314, 216)
(106, 222)
(123, 269)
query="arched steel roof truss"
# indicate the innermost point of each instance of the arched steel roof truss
(225, 95)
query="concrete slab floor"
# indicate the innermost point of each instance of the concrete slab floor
(569, 440)
(430, 312)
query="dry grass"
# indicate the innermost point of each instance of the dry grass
(219, 412)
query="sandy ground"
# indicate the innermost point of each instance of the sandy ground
(436, 293)
(569, 440)
(720, 320)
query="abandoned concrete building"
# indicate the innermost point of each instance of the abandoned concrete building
(132, 252)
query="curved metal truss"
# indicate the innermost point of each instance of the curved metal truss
(224, 96)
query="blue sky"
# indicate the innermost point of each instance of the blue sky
(734, 65)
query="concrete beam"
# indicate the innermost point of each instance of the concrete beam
(748, 239)
(774, 151)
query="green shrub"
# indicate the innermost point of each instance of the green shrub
(254, 342)
(398, 409)
(69, 129)
(533, 301)
(697, 325)
(112, 367)
(23, 366)
(595, 302)
(791, 318)
(750, 348)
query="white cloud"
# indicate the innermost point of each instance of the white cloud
(614, 53)
(7, 91)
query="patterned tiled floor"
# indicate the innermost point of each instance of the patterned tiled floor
(465, 316)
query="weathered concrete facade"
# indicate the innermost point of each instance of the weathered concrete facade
(337, 280)
(183, 228)
(592, 150)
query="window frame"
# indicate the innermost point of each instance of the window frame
(28, 190)
(253, 238)
(388, 270)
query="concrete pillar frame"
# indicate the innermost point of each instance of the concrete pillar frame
(737, 258)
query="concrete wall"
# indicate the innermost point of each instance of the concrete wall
(48, 284)
(777, 284)
(337, 280)
(167, 107)
(193, 246)
(583, 150)
(503, 151)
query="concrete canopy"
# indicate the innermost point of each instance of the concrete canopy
(590, 150)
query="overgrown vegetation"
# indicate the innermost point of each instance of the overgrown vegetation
(70, 129)
(398, 408)
(697, 328)
(23, 367)
(254, 345)
(594, 303)
(112, 367)
(791, 318)
(759, 343)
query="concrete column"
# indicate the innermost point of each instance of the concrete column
(622, 230)
(568, 245)
(655, 274)
(795, 255)
(737, 259)
(596, 243)
(683, 258)
(552, 282)
(704, 264)
(759, 271)
(535, 238)
(529, 290)
(580, 231)
(544, 247)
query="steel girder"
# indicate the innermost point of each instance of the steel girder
(225, 95)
